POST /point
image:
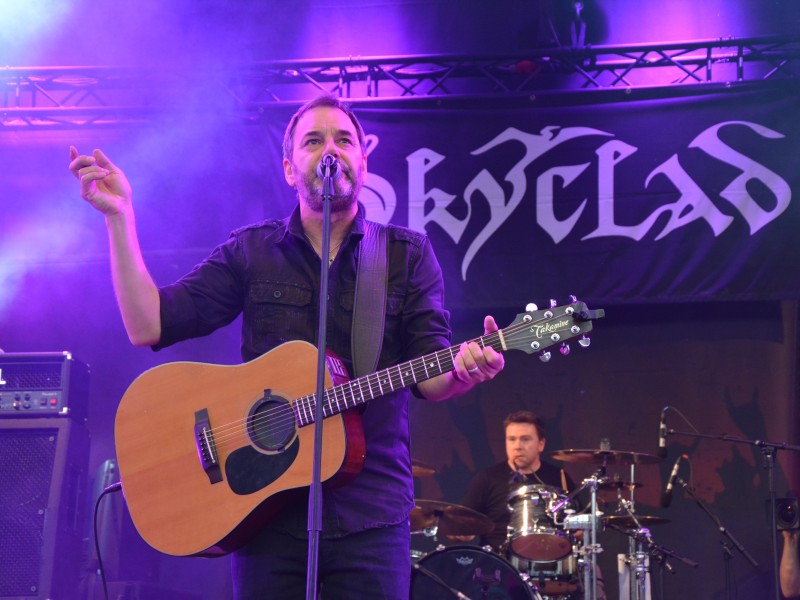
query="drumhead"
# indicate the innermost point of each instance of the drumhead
(471, 570)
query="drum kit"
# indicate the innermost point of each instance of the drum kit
(551, 547)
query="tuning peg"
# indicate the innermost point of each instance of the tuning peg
(573, 299)
(584, 342)
(553, 303)
(564, 349)
(545, 356)
(531, 307)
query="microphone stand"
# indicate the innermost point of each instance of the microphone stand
(768, 450)
(315, 491)
(727, 555)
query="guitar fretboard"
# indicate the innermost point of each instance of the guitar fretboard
(359, 391)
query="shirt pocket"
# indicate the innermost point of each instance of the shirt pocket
(281, 310)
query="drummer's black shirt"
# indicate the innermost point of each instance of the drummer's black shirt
(489, 491)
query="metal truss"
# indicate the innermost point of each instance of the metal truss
(80, 97)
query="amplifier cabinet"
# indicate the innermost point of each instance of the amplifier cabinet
(43, 485)
(43, 384)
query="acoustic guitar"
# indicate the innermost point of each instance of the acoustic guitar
(208, 453)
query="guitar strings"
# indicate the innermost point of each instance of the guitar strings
(280, 417)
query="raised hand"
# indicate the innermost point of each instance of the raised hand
(103, 184)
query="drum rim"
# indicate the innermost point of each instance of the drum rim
(536, 486)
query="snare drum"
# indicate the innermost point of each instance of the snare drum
(555, 578)
(471, 570)
(533, 532)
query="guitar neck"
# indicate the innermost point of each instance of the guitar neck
(358, 392)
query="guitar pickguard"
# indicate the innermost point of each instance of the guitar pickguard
(248, 470)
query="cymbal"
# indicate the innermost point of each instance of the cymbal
(618, 484)
(421, 469)
(627, 521)
(452, 519)
(606, 457)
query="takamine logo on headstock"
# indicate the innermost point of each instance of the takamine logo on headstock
(536, 330)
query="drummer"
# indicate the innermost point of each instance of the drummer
(488, 493)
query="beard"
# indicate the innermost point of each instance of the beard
(346, 187)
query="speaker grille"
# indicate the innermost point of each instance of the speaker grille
(42, 376)
(42, 472)
(26, 472)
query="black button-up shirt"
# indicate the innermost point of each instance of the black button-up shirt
(270, 273)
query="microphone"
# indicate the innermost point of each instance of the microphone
(666, 497)
(518, 476)
(661, 450)
(328, 166)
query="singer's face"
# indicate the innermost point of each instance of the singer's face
(320, 131)
(523, 446)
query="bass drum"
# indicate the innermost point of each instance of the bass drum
(471, 570)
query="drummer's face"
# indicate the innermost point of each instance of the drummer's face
(523, 446)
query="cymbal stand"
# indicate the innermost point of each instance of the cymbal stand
(637, 558)
(591, 548)
(587, 523)
(433, 530)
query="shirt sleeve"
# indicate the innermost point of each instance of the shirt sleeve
(426, 321)
(205, 299)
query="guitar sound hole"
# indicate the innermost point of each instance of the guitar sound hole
(270, 423)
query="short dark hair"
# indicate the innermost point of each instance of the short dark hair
(323, 100)
(526, 416)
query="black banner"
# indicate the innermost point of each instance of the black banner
(654, 195)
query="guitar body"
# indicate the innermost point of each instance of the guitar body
(208, 454)
(176, 506)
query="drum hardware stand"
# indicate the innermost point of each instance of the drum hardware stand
(658, 555)
(642, 537)
(591, 547)
(636, 560)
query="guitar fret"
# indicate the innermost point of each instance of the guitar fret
(437, 363)
(393, 379)
(389, 379)
(347, 388)
(305, 414)
(452, 357)
(360, 390)
(380, 387)
(344, 394)
(400, 372)
(336, 398)
(425, 366)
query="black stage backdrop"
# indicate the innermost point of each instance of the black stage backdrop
(683, 194)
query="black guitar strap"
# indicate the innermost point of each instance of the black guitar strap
(369, 305)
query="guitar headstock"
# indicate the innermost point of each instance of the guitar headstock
(537, 330)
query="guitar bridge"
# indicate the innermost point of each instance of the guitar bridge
(206, 448)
